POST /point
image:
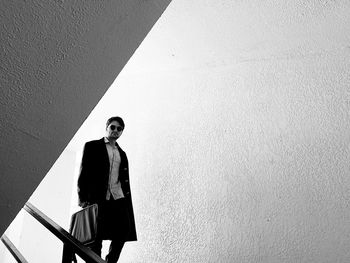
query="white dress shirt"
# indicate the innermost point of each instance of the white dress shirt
(114, 185)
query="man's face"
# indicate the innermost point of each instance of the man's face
(114, 130)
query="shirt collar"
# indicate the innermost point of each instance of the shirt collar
(107, 141)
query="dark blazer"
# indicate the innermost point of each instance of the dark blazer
(94, 176)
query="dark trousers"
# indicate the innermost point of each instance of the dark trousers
(113, 224)
(115, 249)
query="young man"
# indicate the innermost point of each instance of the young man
(104, 180)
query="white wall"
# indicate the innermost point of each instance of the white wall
(237, 131)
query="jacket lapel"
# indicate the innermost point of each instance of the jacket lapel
(104, 152)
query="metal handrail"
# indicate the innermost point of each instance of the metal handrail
(13, 250)
(84, 252)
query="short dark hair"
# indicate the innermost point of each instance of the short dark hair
(116, 118)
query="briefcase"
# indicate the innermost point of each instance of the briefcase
(84, 224)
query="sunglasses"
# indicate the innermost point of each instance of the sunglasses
(118, 128)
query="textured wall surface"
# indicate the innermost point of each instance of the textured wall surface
(237, 129)
(57, 60)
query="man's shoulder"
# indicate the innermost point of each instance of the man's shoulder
(94, 142)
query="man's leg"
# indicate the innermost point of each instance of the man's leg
(97, 247)
(114, 251)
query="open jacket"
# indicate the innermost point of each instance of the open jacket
(94, 177)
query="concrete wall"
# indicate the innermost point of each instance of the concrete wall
(237, 130)
(57, 60)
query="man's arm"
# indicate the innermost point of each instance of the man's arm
(84, 178)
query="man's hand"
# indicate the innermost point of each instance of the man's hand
(85, 204)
